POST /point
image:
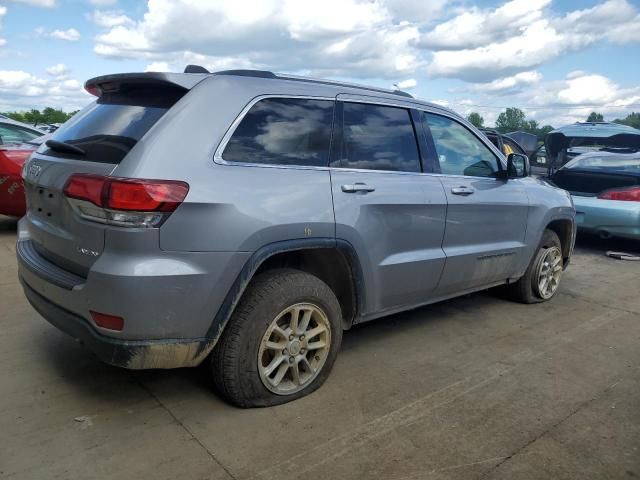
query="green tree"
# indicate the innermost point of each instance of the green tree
(543, 131)
(633, 120)
(511, 120)
(595, 117)
(476, 119)
(48, 115)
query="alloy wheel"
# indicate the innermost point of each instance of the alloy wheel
(549, 272)
(294, 348)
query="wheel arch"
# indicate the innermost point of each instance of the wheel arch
(564, 228)
(341, 271)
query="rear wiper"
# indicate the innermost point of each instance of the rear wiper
(64, 147)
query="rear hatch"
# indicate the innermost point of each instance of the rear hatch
(127, 107)
(590, 174)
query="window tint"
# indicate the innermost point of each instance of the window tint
(108, 132)
(283, 131)
(378, 138)
(16, 134)
(460, 152)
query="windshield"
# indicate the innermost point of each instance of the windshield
(600, 161)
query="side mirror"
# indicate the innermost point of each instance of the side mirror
(518, 165)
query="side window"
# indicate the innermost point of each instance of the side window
(15, 134)
(460, 152)
(378, 138)
(283, 131)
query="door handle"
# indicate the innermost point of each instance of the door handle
(357, 187)
(462, 190)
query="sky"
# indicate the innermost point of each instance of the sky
(557, 60)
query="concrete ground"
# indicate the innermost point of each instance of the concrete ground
(476, 387)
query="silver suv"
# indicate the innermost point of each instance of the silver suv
(246, 219)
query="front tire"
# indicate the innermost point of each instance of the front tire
(280, 343)
(542, 278)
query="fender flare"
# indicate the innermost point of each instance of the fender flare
(258, 257)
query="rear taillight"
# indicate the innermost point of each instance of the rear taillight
(127, 202)
(631, 194)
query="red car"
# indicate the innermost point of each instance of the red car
(14, 151)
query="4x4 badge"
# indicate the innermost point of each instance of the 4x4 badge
(86, 251)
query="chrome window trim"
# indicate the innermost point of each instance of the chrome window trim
(345, 98)
(217, 156)
(486, 142)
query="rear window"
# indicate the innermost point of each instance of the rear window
(283, 131)
(594, 162)
(109, 128)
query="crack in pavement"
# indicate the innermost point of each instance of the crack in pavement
(547, 430)
(343, 444)
(186, 429)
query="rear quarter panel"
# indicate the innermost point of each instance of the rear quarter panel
(231, 207)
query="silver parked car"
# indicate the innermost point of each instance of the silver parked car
(246, 219)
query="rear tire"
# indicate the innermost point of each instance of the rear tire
(263, 357)
(542, 278)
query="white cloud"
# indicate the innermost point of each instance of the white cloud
(509, 84)
(476, 28)
(406, 84)
(283, 35)
(559, 102)
(20, 90)
(36, 3)
(58, 70)
(368, 38)
(157, 67)
(71, 34)
(416, 11)
(103, 3)
(482, 45)
(109, 18)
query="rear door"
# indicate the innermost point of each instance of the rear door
(106, 130)
(384, 206)
(486, 217)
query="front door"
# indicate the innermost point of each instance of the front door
(486, 217)
(391, 213)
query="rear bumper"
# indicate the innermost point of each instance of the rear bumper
(608, 217)
(168, 300)
(133, 354)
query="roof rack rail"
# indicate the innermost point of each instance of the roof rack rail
(248, 73)
(195, 69)
(324, 81)
(321, 81)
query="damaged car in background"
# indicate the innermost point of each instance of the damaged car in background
(16, 145)
(599, 164)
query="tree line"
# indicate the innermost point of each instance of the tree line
(514, 120)
(36, 117)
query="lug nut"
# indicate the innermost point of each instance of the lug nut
(291, 359)
(302, 350)
(290, 337)
(301, 337)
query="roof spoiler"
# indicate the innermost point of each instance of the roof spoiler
(115, 83)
